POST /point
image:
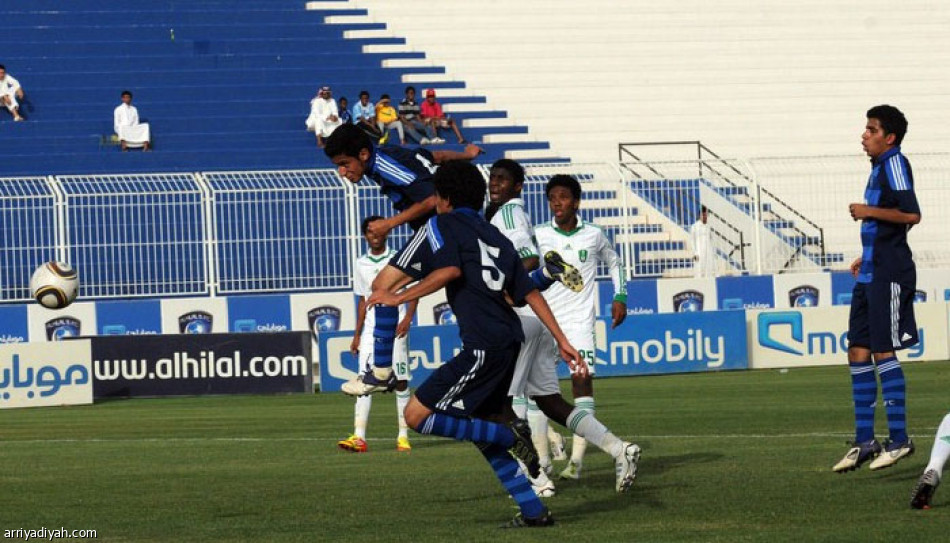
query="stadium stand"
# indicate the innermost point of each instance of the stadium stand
(223, 88)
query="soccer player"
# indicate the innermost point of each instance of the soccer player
(368, 267)
(481, 271)
(930, 480)
(405, 177)
(584, 246)
(535, 374)
(882, 311)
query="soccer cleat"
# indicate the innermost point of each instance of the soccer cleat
(402, 444)
(892, 453)
(353, 444)
(571, 471)
(544, 490)
(368, 383)
(858, 454)
(627, 467)
(424, 141)
(924, 490)
(521, 521)
(523, 449)
(384, 139)
(557, 445)
(561, 271)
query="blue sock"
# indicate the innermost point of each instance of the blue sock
(384, 335)
(517, 485)
(440, 424)
(864, 391)
(893, 392)
(540, 280)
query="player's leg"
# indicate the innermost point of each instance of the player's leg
(863, 384)
(582, 387)
(930, 480)
(356, 442)
(401, 369)
(892, 324)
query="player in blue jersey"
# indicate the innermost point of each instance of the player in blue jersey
(404, 176)
(467, 397)
(882, 311)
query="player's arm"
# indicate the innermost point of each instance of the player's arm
(470, 153)
(406, 321)
(609, 256)
(360, 319)
(892, 215)
(429, 284)
(567, 351)
(900, 180)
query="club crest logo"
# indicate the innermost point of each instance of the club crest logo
(195, 322)
(582, 255)
(443, 314)
(803, 296)
(61, 328)
(325, 318)
(688, 301)
(920, 296)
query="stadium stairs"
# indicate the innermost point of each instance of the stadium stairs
(223, 88)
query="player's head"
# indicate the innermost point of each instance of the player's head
(703, 214)
(350, 149)
(126, 97)
(375, 243)
(458, 183)
(564, 198)
(885, 129)
(505, 181)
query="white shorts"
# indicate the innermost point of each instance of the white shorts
(535, 371)
(582, 338)
(400, 356)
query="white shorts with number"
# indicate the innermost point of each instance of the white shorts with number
(535, 371)
(400, 356)
(582, 338)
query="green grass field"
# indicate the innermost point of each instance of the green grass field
(742, 456)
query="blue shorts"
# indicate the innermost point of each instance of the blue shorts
(882, 316)
(473, 384)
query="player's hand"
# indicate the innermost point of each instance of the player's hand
(472, 151)
(860, 211)
(355, 345)
(856, 267)
(619, 312)
(403, 328)
(574, 359)
(382, 297)
(378, 228)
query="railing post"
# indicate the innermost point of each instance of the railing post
(757, 215)
(61, 238)
(211, 235)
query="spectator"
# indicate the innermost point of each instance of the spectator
(324, 117)
(131, 132)
(10, 92)
(344, 111)
(704, 255)
(432, 114)
(364, 116)
(387, 119)
(412, 123)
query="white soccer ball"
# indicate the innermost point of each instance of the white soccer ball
(54, 284)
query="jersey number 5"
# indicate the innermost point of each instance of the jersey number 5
(493, 278)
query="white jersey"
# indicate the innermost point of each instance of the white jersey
(368, 267)
(584, 248)
(515, 224)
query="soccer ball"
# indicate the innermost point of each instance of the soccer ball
(54, 284)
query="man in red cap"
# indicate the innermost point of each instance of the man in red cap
(432, 114)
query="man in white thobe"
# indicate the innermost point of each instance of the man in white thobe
(704, 255)
(132, 133)
(324, 116)
(10, 92)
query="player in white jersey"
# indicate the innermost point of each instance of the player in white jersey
(927, 484)
(584, 246)
(367, 268)
(535, 374)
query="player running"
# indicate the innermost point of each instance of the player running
(930, 480)
(584, 246)
(535, 370)
(367, 268)
(882, 304)
(480, 271)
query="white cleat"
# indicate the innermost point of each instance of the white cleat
(572, 471)
(556, 441)
(369, 382)
(892, 453)
(627, 466)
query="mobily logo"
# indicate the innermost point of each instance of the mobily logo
(695, 347)
(801, 342)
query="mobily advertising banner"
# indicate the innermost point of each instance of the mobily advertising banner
(45, 374)
(429, 348)
(192, 364)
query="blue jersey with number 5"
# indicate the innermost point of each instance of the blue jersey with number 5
(491, 269)
(404, 176)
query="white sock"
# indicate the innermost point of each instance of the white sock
(579, 446)
(539, 433)
(402, 400)
(941, 449)
(584, 423)
(519, 404)
(363, 403)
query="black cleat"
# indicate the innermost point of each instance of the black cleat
(924, 490)
(521, 521)
(523, 448)
(563, 272)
